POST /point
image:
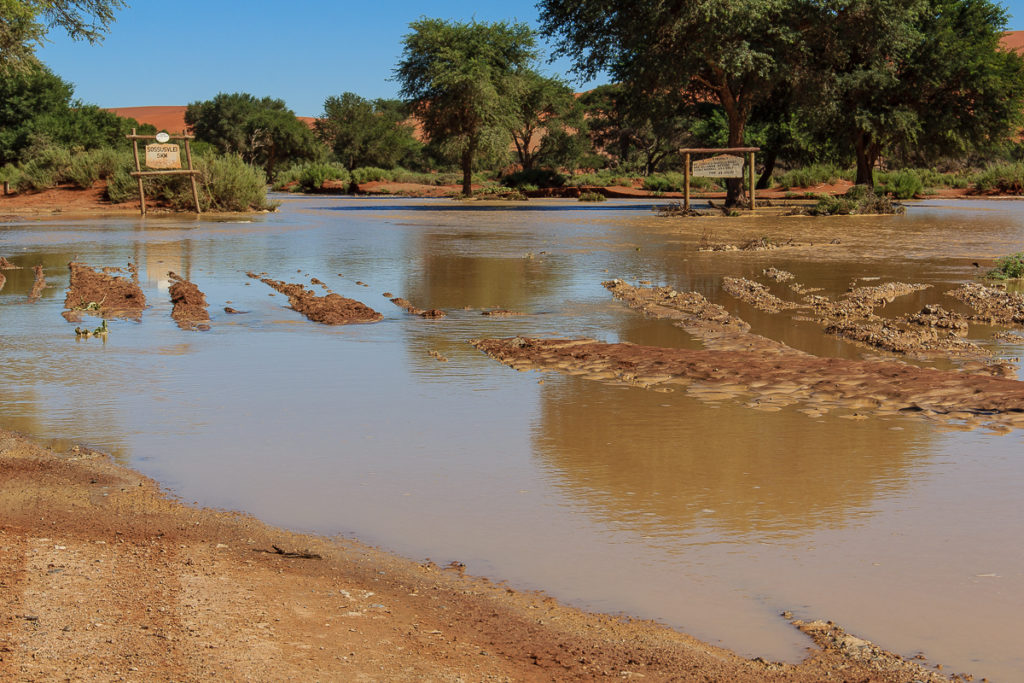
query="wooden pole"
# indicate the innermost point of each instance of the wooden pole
(192, 175)
(138, 169)
(752, 203)
(686, 181)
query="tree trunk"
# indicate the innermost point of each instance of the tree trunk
(769, 167)
(866, 155)
(734, 195)
(467, 171)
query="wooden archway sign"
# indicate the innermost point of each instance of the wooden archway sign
(687, 151)
(138, 173)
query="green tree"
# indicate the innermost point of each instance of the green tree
(545, 105)
(928, 77)
(365, 133)
(37, 111)
(26, 23)
(264, 132)
(464, 81)
(733, 52)
(638, 129)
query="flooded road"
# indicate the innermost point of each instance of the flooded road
(705, 515)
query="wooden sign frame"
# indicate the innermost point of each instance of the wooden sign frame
(138, 173)
(687, 151)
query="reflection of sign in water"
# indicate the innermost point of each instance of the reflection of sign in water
(721, 166)
(163, 156)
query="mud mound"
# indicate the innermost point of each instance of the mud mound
(937, 317)
(879, 295)
(821, 384)
(709, 322)
(331, 309)
(40, 283)
(189, 304)
(412, 310)
(756, 294)
(918, 341)
(500, 313)
(103, 294)
(7, 265)
(3, 281)
(991, 306)
(778, 275)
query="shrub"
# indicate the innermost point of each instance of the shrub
(815, 174)
(84, 170)
(859, 199)
(1008, 268)
(225, 183)
(369, 174)
(1006, 178)
(903, 184)
(535, 177)
(311, 175)
(592, 197)
(230, 184)
(121, 187)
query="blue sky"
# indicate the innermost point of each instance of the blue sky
(301, 52)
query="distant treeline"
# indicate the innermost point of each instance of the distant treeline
(876, 86)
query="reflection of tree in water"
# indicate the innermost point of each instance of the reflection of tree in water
(624, 454)
(450, 277)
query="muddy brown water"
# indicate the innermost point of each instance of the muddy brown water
(695, 511)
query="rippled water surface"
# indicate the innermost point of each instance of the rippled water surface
(710, 517)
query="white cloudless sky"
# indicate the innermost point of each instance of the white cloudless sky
(159, 53)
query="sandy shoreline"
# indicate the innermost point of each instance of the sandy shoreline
(105, 577)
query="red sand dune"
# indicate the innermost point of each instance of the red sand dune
(171, 119)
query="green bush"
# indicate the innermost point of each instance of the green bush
(121, 187)
(230, 184)
(535, 178)
(859, 199)
(225, 183)
(1008, 268)
(370, 174)
(1005, 178)
(815, 174)
(592, 197)
(904, 184)
(47, 168)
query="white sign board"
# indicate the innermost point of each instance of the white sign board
(163, 156)
(721, 166)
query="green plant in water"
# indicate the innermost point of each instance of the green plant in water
(592, 197)
(1008, 268)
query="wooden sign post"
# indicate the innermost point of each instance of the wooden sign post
(722, 166)
(165, 157)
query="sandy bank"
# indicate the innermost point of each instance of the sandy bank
(104, 577)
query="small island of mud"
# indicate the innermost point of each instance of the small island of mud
(330, 309)
(103, 294)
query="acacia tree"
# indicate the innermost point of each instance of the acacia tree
(463, 81)
(731, 51)
(26, 23)
(923, 74)
(37, 110)
(264, 132)
(545, 104)
(365, 133)
(636, 128)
